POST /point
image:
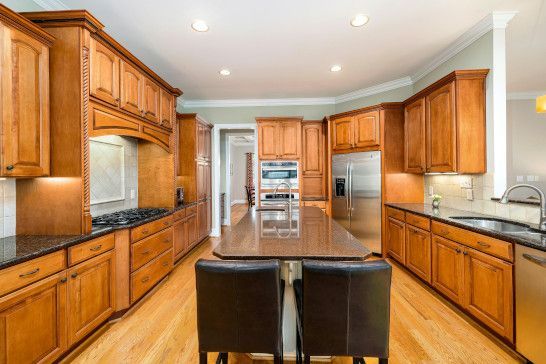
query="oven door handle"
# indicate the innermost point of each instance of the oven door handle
(534, 259)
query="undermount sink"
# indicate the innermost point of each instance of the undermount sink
(495, 224)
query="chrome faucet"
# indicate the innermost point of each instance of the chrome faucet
(542, 223)
(289, 194)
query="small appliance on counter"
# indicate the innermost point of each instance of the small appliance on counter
(179, 196)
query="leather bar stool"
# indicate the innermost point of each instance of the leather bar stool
(344, 310)
(239, 308)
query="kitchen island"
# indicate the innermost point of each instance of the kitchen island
(304, 233)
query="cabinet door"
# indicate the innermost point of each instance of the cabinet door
(192, 230)
(91, 295)
(25, 100)
(131, 89)
(396, 239)
(209, 216)
(418, 258)
(414, 137)
(180, 241)
(203, 180)
(448, 268)
(441, 129)
(104, 73)
(366, 129)
(200, 130)
(268, 136)
(33, 322)
(202, 220)
(313, 149)
(150, 100)
(290, 139)
(342, 133)
(167, 106)
(488, 291)
(207, 150)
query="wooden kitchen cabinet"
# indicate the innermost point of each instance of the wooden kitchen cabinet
(25, 97)
(488, 293)
(396, 239)
(366, 129)
(202, 219)
(33, 322)
(150, 100)
(445, 125)
(441, 127)
(167, 107)
(131, 89)
(181, 238)
(448, 268)
(342, 134)
(414, 132)
(418, 252)
(313, 149)
(104, 73)
(192, 230)
(279, 138)
(91, 295)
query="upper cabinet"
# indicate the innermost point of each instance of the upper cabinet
(24, 73)
(104, 73)
(131, 89)
(150, 101)
(313, 160)
(167, 107)
(356, 131)
(445, 125)
(279, 138)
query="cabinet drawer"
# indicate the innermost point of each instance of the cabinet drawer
(486, 244)
(418, 221)
(25, 273)
(396, 214)
(147, 276)
(180, 214)
(89, 249)
(192, 210)
(150, 228)
(319, 204)
(147, 249)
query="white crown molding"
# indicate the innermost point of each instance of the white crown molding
(259, 102)
(372, 90)
(495, 20)
(532, 95)
(52, 4)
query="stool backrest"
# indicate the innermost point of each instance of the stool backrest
(239, 306)
(346, 308)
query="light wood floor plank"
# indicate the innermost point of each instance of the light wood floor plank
(424, 329)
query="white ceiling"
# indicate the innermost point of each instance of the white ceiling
(284, 48)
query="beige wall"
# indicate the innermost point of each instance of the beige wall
(238, 174)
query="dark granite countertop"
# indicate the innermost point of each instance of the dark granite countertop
(445, 214)
(309, 234)
(21, 248)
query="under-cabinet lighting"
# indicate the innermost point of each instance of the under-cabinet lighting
(541, 103)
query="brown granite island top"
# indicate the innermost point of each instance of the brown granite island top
(308, 234)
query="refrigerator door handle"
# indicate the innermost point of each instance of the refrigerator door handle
(347, 188)
(350, 187)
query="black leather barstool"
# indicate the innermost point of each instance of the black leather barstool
(344, 309)
(239, 308)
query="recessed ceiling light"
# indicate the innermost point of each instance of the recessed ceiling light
(199, 26)
(225, 72)
(335, 68)
(359, 20)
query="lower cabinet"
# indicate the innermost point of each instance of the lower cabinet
(33, 322)
(396, 239)
(204, 219)
(180, 241)
(418, 252)
(447, 268)
(192, 230)
(91, 295)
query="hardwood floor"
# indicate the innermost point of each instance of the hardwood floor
(162, 329)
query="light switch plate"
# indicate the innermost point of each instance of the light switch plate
(466, 182)
(470, 195)
(133, 194)
(430, 190)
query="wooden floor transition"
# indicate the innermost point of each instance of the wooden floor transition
(162, 329)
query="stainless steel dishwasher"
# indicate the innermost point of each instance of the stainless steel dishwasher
(531, 303)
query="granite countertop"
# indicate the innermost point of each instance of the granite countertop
(445, 214)
(309, 234)
(21, 248)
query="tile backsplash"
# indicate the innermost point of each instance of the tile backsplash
(114, 174)
(7, 207)
(455, 196)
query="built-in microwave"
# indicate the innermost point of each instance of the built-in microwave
(274, 172)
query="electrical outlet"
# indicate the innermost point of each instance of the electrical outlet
(133, 194)
(430, 190)
(530, 178)
(519, 179)
(470, 195)
(466, 182)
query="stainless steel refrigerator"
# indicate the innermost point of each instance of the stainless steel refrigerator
(356, 196)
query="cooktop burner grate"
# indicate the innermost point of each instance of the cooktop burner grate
(125, 217)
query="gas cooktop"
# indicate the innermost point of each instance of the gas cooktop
(125, 217)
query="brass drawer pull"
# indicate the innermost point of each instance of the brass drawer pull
(28, 274)
(146, 252)
(166, 240)
(458, 251)
(74, 275)
(96, 248)
(166, 223)
(165, 264)
(145, 279)
(145, 231)
(485, 245)
(445, 232)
